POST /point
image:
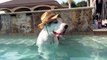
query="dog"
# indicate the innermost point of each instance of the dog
(52, 28)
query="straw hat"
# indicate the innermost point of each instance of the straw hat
(47, 17)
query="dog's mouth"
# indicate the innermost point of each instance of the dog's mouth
(57, 34)
(60, 34)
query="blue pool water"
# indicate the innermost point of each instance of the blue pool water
(78, 47)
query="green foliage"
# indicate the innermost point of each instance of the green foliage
(65, 4)
(73, 4)
(82, 4)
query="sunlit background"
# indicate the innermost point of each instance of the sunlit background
(2, 1)
(60, 1)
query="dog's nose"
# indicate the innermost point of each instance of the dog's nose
(66, 26)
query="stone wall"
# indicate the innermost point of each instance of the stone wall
(82, 20)
(78, 19)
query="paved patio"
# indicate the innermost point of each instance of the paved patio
(103, 29)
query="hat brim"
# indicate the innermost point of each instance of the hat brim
(55, 17)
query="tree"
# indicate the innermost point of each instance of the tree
(82, 4)
(88, 2)
(65, 4)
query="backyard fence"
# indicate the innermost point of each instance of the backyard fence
(78, 19)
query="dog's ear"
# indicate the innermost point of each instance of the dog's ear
(41, 25)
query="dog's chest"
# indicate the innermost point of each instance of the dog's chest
(46, 38)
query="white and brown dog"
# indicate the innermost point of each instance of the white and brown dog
(52, 28)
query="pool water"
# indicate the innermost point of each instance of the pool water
(78, 47)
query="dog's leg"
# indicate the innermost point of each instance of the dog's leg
(56, 41)
(47, 52)
(40, 50)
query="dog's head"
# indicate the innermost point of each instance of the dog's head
(53, 23)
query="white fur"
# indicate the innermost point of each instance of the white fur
(47, 43)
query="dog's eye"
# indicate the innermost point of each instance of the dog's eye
(55, 21)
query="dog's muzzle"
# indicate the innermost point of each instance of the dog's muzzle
(61, 33)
